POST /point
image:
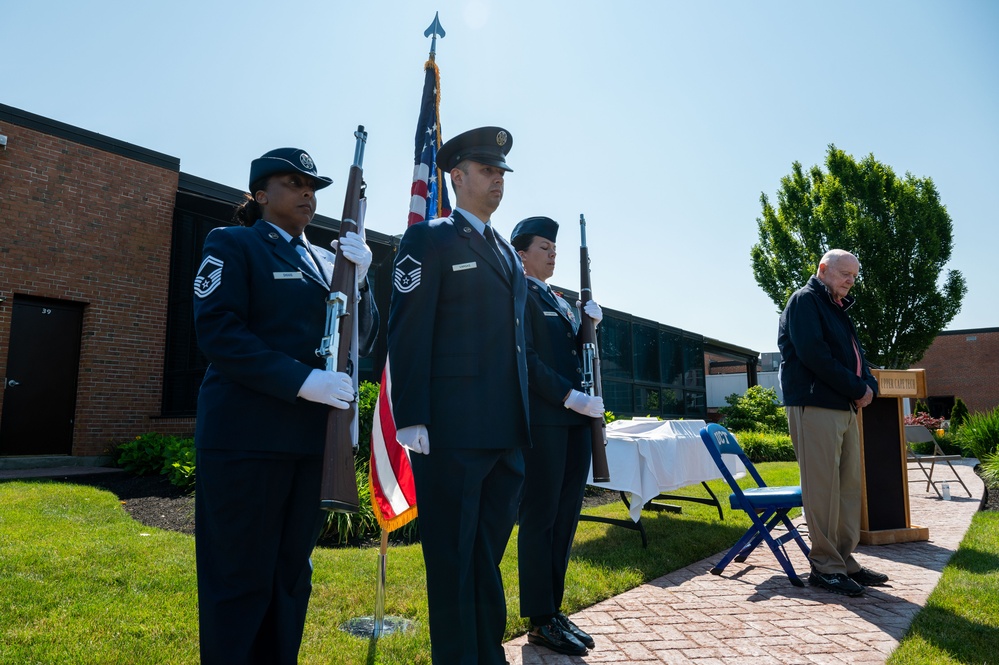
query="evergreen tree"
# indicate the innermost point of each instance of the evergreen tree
(958, 414)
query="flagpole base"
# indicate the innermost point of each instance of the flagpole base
(365, 626)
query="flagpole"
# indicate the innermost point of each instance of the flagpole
(375, 626)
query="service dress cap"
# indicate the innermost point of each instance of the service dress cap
(546, 227)
(485, 145)
(286, 160)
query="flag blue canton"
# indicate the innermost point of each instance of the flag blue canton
(429, 198)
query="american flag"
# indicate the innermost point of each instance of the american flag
(393, 491)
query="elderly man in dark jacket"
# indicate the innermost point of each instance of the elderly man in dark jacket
(826, 381)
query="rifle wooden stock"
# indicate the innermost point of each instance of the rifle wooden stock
(338, 492)
(591, 361)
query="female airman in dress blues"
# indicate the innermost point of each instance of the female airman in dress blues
(260, 313)
(558, 463)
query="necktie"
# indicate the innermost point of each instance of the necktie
(491, 239)
(309, 262)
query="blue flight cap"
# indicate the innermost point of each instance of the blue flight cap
(286, 160)
(485, 145)
(546, 227)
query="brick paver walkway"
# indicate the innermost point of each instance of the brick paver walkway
(752, 615)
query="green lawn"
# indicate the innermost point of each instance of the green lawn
(84, 583)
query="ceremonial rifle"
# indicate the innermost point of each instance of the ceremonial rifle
(338, 492)
(591, 361)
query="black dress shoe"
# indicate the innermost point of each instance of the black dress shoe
(836, 582)
(556, 639)
(867, 577)
(571, 628)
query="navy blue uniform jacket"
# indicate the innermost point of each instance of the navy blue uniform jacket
(457, 349)
(259, 319)
(554, 359)
(818, 361)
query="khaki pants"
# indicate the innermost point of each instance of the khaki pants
(827, 445)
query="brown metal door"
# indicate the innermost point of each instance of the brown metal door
(40, 387)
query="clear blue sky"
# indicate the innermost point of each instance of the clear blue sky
(662, 121)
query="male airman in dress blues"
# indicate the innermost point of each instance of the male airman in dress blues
(459, 395)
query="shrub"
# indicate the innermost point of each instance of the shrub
(367, 398)
(152, 453)
(958, 414)
(758, 409)
(920, 407)
(979, 435)
(990, 469)
(142, 456)
(178, 462)
(766, 446)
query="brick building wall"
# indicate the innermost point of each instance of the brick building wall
(965, 364)
(88, 220)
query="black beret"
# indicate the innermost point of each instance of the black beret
(546, 227)
(286, 160)
(485, 145)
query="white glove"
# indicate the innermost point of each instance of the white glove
(584, 404)
(593, 311)
(414, 438)
(352, 248)
(325, 387)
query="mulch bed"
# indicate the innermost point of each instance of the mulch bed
(153, 501)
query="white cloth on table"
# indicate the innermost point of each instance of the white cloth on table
(649, 457)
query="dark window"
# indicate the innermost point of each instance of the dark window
(696, 404)
(693, 363)
(648, 401)
(615, 348)
(617, 398)
(646, 344)
(673, 406)
(671, 357)
(184, 364)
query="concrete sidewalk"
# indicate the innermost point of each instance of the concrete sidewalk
(752, 615)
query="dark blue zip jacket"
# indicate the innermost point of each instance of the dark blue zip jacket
(816, 341)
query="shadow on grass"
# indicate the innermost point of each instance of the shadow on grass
(963, 640)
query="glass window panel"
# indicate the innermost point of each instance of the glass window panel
(615, 348)
(617, 398)
(696, 404)
(646, 345)
(672, 401)
(671, 358)
(648, 401)
(693, 363)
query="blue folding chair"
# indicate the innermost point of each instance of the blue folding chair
(766, 506)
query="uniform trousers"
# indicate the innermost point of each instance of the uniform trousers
(257, 519)
(468, 502)
(827, 445)
(556, 470)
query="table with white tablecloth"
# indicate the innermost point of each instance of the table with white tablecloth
(649, 457)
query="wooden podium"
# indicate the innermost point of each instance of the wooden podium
(884, 498)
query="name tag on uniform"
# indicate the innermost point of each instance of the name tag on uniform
(295, 274)
(551, 313)
(463, 266)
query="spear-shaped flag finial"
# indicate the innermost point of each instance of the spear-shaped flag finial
(435, 29)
